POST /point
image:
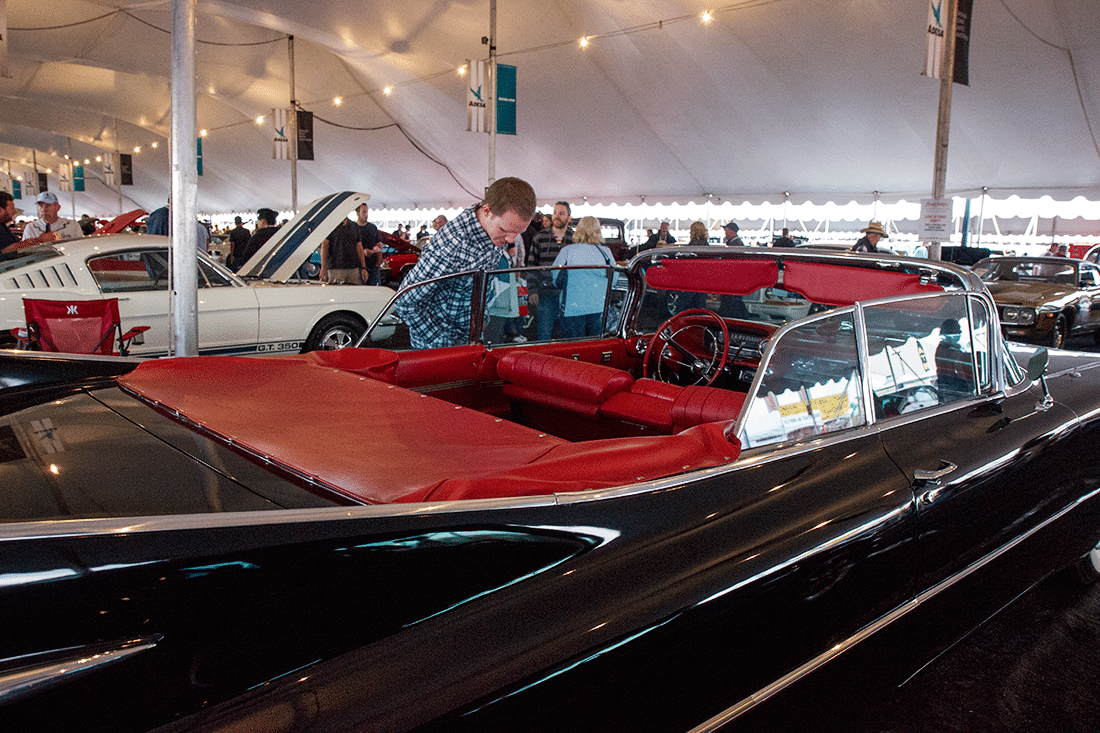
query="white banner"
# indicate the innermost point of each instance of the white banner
(4, 72)
(30, 185)
(280, 124)
(934, 41)
(109, 169)
(476, 95)
(65, 173)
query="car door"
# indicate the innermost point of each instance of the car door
(228, 318)
(1088, 283)
(984, 462)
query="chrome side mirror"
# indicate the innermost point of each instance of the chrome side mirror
(1036, 370)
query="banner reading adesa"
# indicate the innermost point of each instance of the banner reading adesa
(934, 46)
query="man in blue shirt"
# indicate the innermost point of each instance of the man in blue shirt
(438, 314)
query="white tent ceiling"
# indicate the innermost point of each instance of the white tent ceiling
(819, 98)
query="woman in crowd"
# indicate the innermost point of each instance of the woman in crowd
(585, 291)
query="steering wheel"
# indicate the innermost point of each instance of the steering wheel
(673, 336)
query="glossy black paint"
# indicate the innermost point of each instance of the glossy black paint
(656, 610)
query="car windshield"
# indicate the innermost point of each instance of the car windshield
(577, 302)
(1059, 271)
(27, 256)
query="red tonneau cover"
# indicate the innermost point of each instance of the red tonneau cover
(379, 443)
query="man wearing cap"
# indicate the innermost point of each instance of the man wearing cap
(871, 235)
(732, 238)
(49, 227)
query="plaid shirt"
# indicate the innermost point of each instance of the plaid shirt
(438, 314)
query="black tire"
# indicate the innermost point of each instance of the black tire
(1060, 333)
(334, 331)
(1088, 567)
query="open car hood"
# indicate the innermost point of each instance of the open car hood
(283, 254)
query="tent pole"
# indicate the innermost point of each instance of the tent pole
(943, 119)
(184, 235)
(491, 103)
(293, 121)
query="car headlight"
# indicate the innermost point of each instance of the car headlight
(1019, 316)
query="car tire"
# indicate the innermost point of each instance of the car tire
(1060, 333)
(334, 331)
(1088, 567)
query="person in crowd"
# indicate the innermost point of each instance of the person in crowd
(785, 240)
(523, 245)
(238, 240)
(87, 224)
(732, 238)
(8, 241)
(407, 234)
(659, 238)
(372, 244)
(438, 222)
(265, 230)
(545, 246)
(157, 221)
(439, 314)
(698, 236)
(871, 236)
(422, 234)
(585, 291)
(343, 260)
(49, 227)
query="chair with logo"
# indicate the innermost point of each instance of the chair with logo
(76, 327)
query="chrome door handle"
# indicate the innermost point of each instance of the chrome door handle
(945, 468)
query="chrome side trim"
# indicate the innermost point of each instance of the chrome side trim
(56, 667)
(821, 659)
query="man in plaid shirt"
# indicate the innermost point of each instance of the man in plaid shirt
(438, 314)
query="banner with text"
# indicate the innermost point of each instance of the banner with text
(65, 174)
(506, 99)
(281, 140)
(934, 46)
(109, 169)
(305, 135)
(475, 96)
(4, 72)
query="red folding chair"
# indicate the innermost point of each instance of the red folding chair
(76, 327)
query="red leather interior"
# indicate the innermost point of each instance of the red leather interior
(698, 405)
(578, 381)
(416, 447)
(840, 286)
(732, 277)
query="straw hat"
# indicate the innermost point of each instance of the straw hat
(875, 228)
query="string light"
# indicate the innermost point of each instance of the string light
(585, 41)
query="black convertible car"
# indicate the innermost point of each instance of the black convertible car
(759, 472)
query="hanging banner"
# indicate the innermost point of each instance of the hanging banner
(934, 44)
(126, 169)
(506, 100)
(43, 182)
(109, 169)
(16, 189)
(475, 96)
(4, 72)
(198, 155)
(65, 175)
(28, 185)
(305, 135)
(280, 141)
(78, 178)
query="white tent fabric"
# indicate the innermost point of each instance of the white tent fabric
(771, 101)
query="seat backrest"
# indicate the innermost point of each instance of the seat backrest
(698, 405)
(581, 381)
(73, 326)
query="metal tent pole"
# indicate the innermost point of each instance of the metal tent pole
(184, 266)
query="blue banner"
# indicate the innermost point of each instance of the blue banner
(78, 178)
(506, 100)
